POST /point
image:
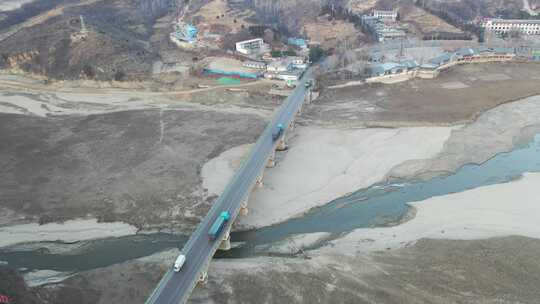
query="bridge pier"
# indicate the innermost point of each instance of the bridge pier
(244, 208)
(271, 160)
(282, 144)
(291, 125)
(226, 241)
(259, 181)
(203, 278)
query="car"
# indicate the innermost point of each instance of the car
(180, 260)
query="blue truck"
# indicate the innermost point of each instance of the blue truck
(218, 224)
(278, 131)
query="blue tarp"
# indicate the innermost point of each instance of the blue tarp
(232, 73)
(297, 42)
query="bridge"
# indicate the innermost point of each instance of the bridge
(176, 287)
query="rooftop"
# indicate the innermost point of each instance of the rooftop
(532, 21)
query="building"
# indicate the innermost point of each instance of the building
(249, 47)
(255, 65)
(385, 33)
(279, 66)
(500, 26)
(298, 62)
(290, 76)
(381, 31)
(386, 15)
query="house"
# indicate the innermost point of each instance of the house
(387, 68)
(255, 65)
(251, 46)
(290, 75)
(279, 66)
(524, 26)
(441, 60)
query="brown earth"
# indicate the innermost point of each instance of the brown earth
(498, 270)
(116, 166)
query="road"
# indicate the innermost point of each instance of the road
(199, 250)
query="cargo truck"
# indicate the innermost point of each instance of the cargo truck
(180, 260)
(218, 224)
(278, 131)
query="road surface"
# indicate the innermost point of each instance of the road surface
(175, 287)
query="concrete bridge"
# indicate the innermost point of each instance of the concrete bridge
(175, 287)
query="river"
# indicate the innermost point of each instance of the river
(376, 206)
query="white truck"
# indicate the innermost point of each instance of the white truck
(180, 260)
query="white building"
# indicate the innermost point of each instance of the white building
(529, 27)
(298, 62)
(279, 66)
(249, 47)
(255, 65)
(386, 15)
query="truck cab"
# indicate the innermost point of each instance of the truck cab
(180, 260)
(278, 131)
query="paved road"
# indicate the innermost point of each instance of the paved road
(199, 250)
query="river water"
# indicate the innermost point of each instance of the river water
(376, 206)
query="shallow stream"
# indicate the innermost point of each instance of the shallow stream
(378, 205)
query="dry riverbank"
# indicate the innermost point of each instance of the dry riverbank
(492, 211)
(69, 231)
(323, 164)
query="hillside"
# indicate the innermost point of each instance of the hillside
(46, 37)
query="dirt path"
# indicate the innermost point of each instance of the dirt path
(51, 88)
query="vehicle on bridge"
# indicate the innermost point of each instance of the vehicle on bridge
(278, 132)
(218, 224)
(180, 260)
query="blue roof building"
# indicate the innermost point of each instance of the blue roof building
(441, 60)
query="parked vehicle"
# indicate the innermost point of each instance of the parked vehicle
(218, 224)
(278, 132)
(180, 260)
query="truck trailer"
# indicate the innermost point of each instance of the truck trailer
(218, 224)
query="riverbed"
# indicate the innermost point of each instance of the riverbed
(380, 205)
